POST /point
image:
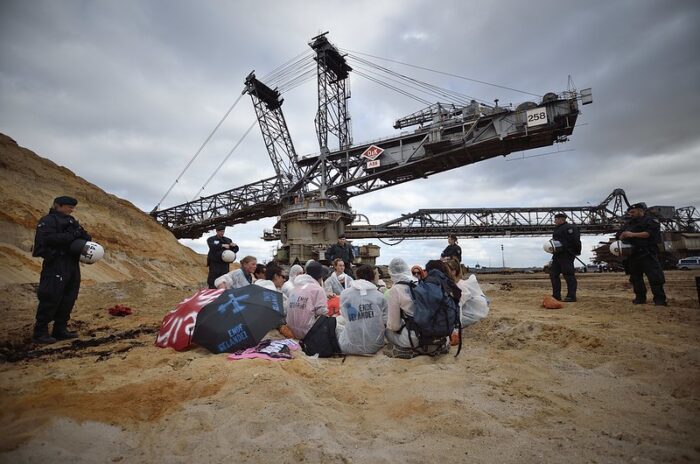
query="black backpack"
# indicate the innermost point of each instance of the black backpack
(435, 313)
(321, 339)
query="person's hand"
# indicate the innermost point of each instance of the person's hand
(226, 246)
(626, 234)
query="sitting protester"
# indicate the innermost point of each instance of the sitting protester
(473, 304)
(338, 280)
(259, 272)
(399, 301)
(294, 271)
(417, 272)
(240, 277)
(381, 285)
(476, 305)
(364, 311)
(441, 266)
(274, 280)
(429, 319)
(307, 300)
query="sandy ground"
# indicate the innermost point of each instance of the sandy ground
(598, 381)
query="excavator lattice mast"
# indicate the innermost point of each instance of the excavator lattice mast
(268, 109)
(333, 94)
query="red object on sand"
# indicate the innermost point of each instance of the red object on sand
(552, 303)
(120, 310)
(334, 306)
(178, 325)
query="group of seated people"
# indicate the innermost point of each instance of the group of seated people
(370, 314)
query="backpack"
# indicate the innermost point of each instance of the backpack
(436, 314)
(577, 245)
(321, 339)
(40, 250)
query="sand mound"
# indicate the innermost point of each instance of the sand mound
(127, 233)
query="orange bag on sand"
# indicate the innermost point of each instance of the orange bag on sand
(334, 306)
(286, 331)
(550, 302)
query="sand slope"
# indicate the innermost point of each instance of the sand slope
(137, 247)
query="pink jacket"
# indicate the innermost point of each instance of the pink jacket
(307, 301)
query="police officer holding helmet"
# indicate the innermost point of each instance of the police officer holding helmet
(217, 245)
(59, 283)
(643, 233)
(563, 259)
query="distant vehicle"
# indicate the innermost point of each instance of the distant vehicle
(692, 262)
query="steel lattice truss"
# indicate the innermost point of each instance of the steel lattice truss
(268, 109)
(607, 217)
(451, 137)
(686, 219)
(332, 73)
(451, 144)
(247, 203)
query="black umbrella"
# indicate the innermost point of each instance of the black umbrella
(238, 319)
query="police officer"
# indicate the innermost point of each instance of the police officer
(452, 249)
(342, 250)
(217, 245)
(563, 259)
(643, 233)
(59, 283)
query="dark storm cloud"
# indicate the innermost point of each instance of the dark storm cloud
(123, 93)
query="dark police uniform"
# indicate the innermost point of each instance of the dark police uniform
(563, 261)
(60, 273)
(452, 250)
(644, 259)
(217, 266)
(343, 252)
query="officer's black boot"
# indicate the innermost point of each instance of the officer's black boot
(41, 335)
(61, 332)
(659, 295)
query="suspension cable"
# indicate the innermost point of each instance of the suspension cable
(198, 151)
(444, 73)
(394, 88)
(286, 63)
(450, 96)
(430, 87)
(225, 159)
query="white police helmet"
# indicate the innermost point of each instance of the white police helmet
(620, 249)
(92, 252)
(228, 256)
(552, 246)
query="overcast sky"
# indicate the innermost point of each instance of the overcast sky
(124, 92)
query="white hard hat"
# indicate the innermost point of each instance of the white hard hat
(92, 253)
(620, 249)
(551, 246)
(228, 256)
